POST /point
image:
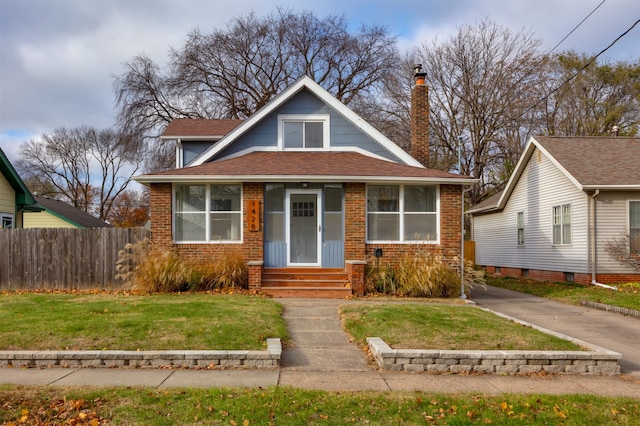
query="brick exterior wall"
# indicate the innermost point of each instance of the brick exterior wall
(559, 276)
(450, 232)
(356, 248)
(420, 122)
(161, 217)
(355, 221)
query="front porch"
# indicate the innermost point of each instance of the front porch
(306, 282)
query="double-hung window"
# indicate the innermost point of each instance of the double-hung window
(634, 226)
(520, 224)
(6, 221)
(402, 213)
(208, 213)
(562, 224)
(302, 132)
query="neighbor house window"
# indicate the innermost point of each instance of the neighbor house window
(520, 221)
(634, 226)
(303, 132)
(207, 213)
(562, 224)
(6, 221)
(402, 213)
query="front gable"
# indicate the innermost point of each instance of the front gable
(347, 131)
(343, 135)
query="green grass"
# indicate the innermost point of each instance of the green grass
(451, 327)
(627, 296)
(85, 321)
(286, 406)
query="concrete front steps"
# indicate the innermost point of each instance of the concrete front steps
(321, 283)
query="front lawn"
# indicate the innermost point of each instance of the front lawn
(286, 406)
(627, 296)
(109, 321)
(438, 326)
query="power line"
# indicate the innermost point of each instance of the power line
(525, 75)
(584, 66)
(576, 27)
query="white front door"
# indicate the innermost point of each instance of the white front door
(304, 227)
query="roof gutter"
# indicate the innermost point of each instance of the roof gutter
(297, 178)
(592, 242)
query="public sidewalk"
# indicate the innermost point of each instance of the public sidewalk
(321, 357)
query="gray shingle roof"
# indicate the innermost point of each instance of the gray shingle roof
(594, 161)
(295, 164)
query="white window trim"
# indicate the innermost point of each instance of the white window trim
(628, 218)
(207, 212)
(401, 214)
(628, 214)
(520, 244)
(4, 216)
(561, 243)
(325, 119)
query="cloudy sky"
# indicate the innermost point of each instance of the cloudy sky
(57, 57)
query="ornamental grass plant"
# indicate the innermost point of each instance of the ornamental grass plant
(145, 267)
(420, 276)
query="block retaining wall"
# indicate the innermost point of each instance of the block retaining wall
(493, 362)
(147, 359)
(595, 360)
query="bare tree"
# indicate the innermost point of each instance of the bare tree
(86, 167)
(234, 72)
(625, 249)
(482, 81)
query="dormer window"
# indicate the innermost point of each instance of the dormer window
(303, 132)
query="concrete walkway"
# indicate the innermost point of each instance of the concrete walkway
(321, 357)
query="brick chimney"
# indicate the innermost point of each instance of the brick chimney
(420, 117)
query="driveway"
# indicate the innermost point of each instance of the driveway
(609, 330)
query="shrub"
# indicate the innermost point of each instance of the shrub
(151, 269)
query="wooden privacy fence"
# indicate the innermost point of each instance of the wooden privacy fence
(63, 258)
(470, 251)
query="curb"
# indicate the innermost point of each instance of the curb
(611, 308)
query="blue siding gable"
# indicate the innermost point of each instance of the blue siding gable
(344, 134)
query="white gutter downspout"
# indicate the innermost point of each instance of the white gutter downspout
(592, 231)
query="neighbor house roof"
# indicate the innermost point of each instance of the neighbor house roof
(24, 199)
(70, 214)
(201, 129)
(303, 166)
(596, 162)
(590, 163)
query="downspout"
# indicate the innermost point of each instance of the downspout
(592, 241)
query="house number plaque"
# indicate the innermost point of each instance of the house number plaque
(253, 216)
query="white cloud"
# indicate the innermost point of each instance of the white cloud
(57, 57)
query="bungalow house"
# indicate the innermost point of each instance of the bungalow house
(15, 197)
(567, 198)
(305, 190)
(58, 214)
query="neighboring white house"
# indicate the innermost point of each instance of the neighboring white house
(567, 198)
